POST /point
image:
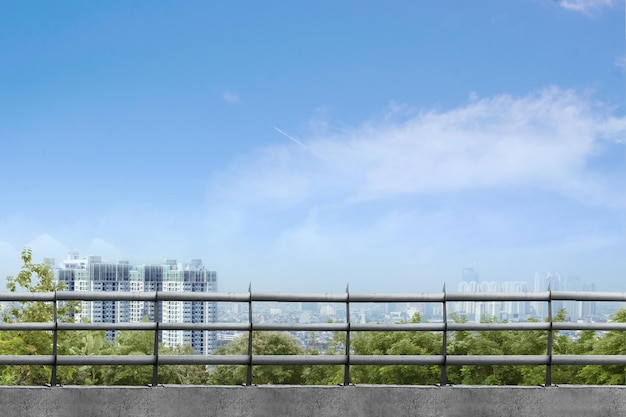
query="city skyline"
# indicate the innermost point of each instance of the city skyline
(469, 279)
(304, 147)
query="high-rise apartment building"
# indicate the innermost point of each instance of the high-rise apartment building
(92, 274)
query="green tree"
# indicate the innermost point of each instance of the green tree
(84, 343)
(33, 277)
(263, 343)
(496, 342)
(396, 343)
(182, 374)
(138, 343)
(491, 342)
(612, 343)
(126, 343)
(326, 374)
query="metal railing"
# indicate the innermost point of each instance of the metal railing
(347, 359)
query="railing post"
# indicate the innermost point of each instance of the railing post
(444, 340)
(55, 340)
(249, 370)
(155, 367)
(549, 352)
(346, 369)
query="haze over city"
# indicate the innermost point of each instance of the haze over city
(304, 146)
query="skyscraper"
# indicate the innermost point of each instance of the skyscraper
(91, 274)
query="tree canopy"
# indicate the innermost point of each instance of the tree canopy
(34, 277)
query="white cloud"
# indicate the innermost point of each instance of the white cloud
(231, 97)
(585, 6)
(543, 140)
(276, 174)
(412, 195)
(417, 194)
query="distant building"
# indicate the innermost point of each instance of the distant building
(92, 274)
(576, 310)
(470, 274)
(502, 310)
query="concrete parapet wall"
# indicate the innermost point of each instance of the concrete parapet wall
(302, 401)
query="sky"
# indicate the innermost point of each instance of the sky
(305, 146)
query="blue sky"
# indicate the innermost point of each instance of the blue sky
(301, 146)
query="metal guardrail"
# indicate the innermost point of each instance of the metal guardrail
(347, 359)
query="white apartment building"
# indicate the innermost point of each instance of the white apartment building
(91, 274)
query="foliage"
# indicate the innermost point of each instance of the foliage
(139, 343)
(182, 374)
(326, 374)
(396, 343)
(613, 343)
(263, 343)
(35, 277)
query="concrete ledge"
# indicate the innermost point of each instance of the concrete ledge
(302, 401)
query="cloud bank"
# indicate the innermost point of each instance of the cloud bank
(414, 194)
(401, 202)
(544, 140)
(586, 6)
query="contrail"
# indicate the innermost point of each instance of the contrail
(300, 143)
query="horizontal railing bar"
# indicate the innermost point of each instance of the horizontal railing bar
(141, 325)
(397, 298)
(498, 296)
(149, 296)
(106, 295)
(588, 296)
(311, 297)
(589, 360)
(241, 327)
(185, 326)
(203, 359)
(233, 297)
(396, 360)
(404, 327)
(461, 360)
(299, 359)
(300, 327)
(67, 360)
(564, 325)
(424, 360)
(26, 360)
(29, 326)
(26, 296)
(498, 326)
(400, 327)
(299, 297)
